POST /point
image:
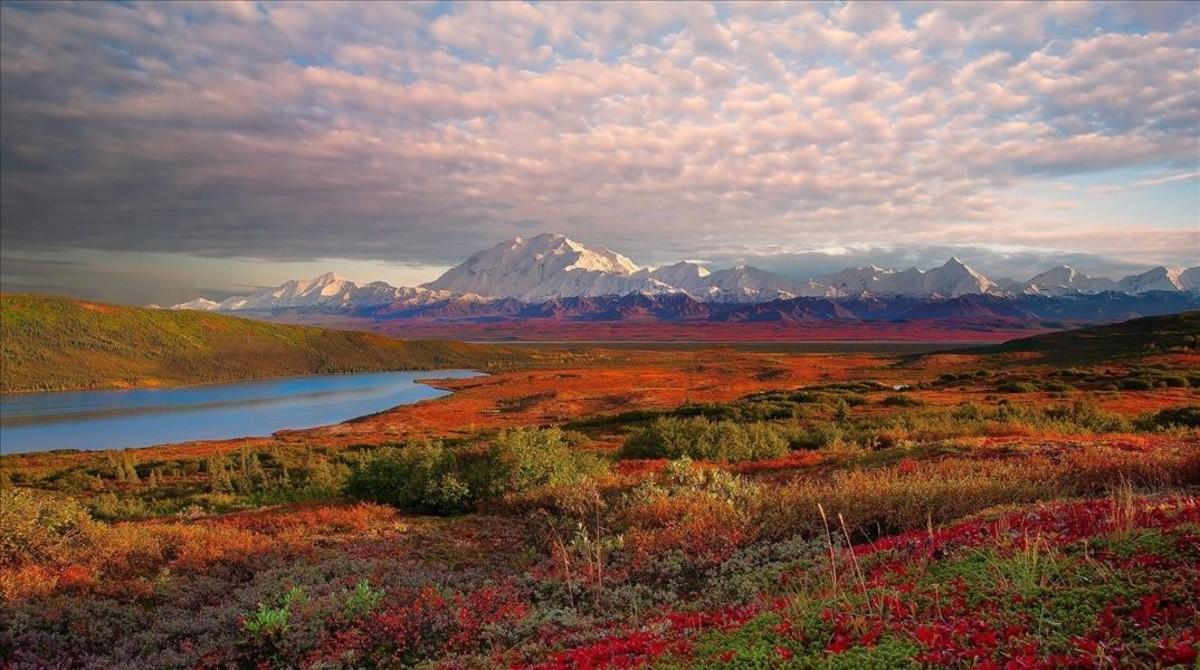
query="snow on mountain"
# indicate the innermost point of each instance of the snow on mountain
(1156, 279)
(1190, 278)
(684, 275)
(550, 267)
(853, 281)
(950, 280)
(750, 284)
(1009, 285)
(1065, 279)
(546, 266)
(198, 304)
(327, 291)
(956, 278)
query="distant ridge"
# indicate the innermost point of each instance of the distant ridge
(550, 267)
(1172, 333)
(53, 343)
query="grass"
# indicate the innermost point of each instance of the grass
(880, 529)
(51, 344)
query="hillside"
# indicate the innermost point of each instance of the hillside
(1130, 339)
(55, 343)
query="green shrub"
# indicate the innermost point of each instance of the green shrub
(968, 411)
(39, 527)
(431, 477)
(1187, 416)
(855, 399)
(697, 437)
(1016, 387)
(419, 476)
(520, 460)
(1136, 384)
(902, 401)
(363, 599)
(272, 622)
(822, 435)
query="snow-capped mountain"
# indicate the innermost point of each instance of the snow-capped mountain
(1065, 279)
(1190, 279)
(1156, 279)
(198, 304)
(951, 280)
(327, 292)
(750, 284)
(549, 267)
(684, 275)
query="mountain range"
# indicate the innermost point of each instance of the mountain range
(551, 275)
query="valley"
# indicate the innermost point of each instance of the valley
(550, 335)
(690, 507)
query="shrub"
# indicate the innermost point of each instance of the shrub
(824, 435)
(902, 401)
(268, 622)
(1136, 384)
(1176, 381)
(520, 460)
(432, 478)
(362, 599)
(697, 437)
(1086, 417)
(699, 516)
(39, 527)
(968, 411)
(420, 476)
(1187, 416)
(1016, 387)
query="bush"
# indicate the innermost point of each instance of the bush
(697, 517)
(820, 436)
(1086, 417)
(520, 460)
(1187, 416)
(1016, 387)
(902, 401)
(1136, 384)
(419, 476)
(430, 477)
(37, 527)
(1175, 381)
(697, 437)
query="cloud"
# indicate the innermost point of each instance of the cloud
(417, 133)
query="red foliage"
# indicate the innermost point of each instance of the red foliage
(489, 605)
(625, 651)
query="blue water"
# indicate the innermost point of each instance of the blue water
(144, 417)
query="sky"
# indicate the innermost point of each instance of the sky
(152, 152)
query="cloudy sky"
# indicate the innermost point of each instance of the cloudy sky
(151, 152)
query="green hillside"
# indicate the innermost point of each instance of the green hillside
(1130, 339)
(55, 343)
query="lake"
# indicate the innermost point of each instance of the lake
(144, 417)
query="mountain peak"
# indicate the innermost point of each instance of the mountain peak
(326, 278)
(550, 266)
(546, 265)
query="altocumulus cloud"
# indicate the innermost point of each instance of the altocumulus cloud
(418, 132)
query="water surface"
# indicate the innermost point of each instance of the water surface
(144, 417)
